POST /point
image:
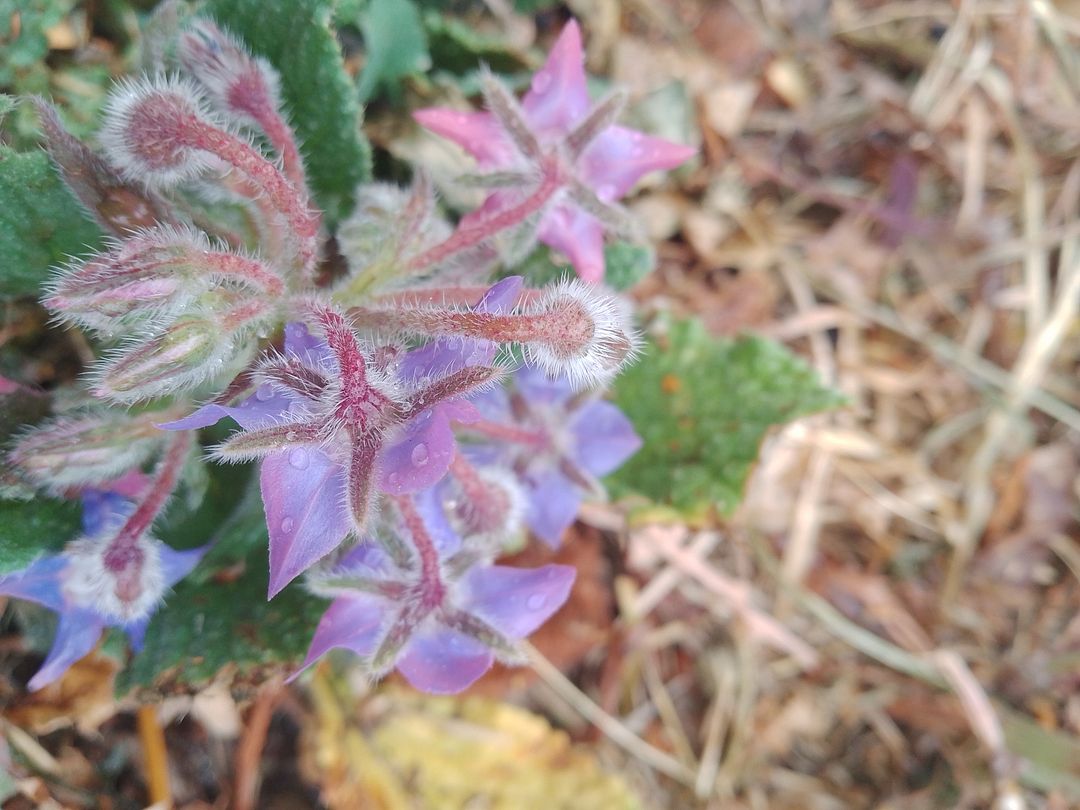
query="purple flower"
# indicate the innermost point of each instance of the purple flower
(333, 429)
(557, 442)
(438, 619)
(601, 160)
(76, 584)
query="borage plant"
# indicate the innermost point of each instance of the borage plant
(398, 455)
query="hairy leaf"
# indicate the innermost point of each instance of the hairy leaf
(703, 407)
(40, 222)
(319, 97)
(29, 529)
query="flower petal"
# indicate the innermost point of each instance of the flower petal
(136, 632)
(577, 235)
(303, 494)
(478, 133)
(558, 97)
(421, 457)
(618, 157)
(102, 509)
(605, 438)
(309, 348)
(516, 601)
(261, 408)
(178, 564)
(442, 661)
(429, 505)
(553, 505)
(76, 635)
(39, 582)
(354, 624)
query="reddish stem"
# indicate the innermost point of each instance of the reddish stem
(286, 199)
(431, 585)
(497, 430)
(472, 234)
(161, 487)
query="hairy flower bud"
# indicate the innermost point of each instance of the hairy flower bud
(86, 450)
(152, 275)
(194, 349)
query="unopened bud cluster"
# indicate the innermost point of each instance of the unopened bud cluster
(399, 452)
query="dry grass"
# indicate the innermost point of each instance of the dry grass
(891, 620)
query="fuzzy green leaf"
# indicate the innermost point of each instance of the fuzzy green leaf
(40, 222)
(703, 407)
(218, 617)
(29, 529)
(395, 45)
(319, 96)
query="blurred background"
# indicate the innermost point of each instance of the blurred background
(850, 580)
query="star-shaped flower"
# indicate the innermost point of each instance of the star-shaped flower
(598, 161)
(335, 423)
(557, 442)
(439, 620)
(79, 584)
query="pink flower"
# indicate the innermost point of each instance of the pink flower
(600, 160)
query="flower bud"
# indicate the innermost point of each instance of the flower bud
(155, 273)
(86, 450)
(194, 349)
(153, 131)
(584, 333)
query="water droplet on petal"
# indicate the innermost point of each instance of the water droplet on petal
(264, 392)
(536, 601)
(395, 479)
(419, 455)
(287, 526)
(298, 458)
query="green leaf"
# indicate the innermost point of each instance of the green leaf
(26, 46)
(459, 48)
(703, 407)
(29, 529)
(218, 617)
(395, 45)
(319, 96)
(40, 222)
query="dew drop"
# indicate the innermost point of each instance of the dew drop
(419, 455)
(298, 458)
(264, 392)
(290, 436)
(395, 479)
(288, 523)
(536, 601)
(541, 82)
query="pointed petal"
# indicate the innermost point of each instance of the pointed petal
(553, 505)
(178, 564)
(441, 661)
(421, 457)
(605, 438)
(261, 408)
(304, 501)
(578, 236)
(478, 133)
(39, 582)
(516, 601)
(558, 97)
(354, 624)
(76, 635)
(618, 157)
